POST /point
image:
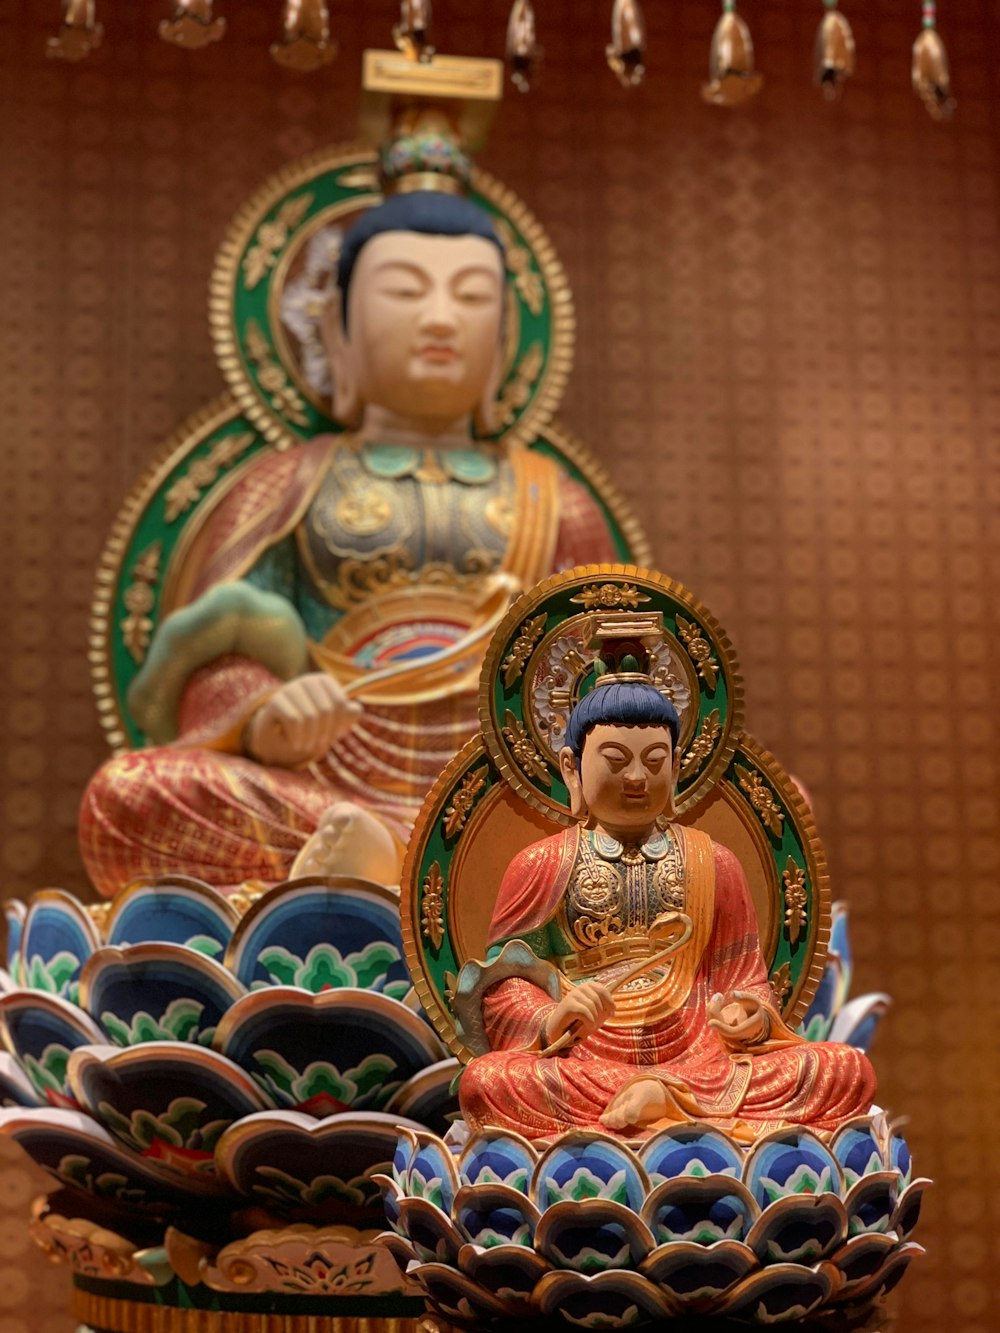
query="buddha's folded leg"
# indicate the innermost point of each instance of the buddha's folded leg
(539, 1097)
(217, 817)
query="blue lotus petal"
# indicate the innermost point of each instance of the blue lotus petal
(871, 1202)
(456, 1296)
(790, 1161)
(433, 1175)
(59, 936)
(589, 1166)
(431, 1232)
(491, 1215)
(690, 1150)
(859, 1259)
(907, 1213)
(593, 1236)
(688, 1272)
(857, 1148)
(322, 933)
(173, 910)
(497, 1157)
(800, 1228)
(42, 1031)
(157, 992)
(858, 1020)
(887, 1276)
(340, 1050)
(899, 1157)
(701, 1211)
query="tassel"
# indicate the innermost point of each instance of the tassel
(833, 54)
(732, 77)
(523, 51)
(306, 43)
(192, 25)
(80, 33)
(931, 74)
(412, 33)
(627, 51)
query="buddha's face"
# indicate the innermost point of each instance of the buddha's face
(626, 777)
(423, 337)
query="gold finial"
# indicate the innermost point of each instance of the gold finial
(192, 25)
(80, 33)
(523, 51)
(412, 33)
(306, 42)
(833, 53)
(732, 77)
(931, 73)
(627, 52)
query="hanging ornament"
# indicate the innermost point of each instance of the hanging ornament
(931, 75)
(627, 52)
(306, 42)
(833, 53)
(523, 51)
(192, 25)
(732, 77)
(412, 33)
(80, 32)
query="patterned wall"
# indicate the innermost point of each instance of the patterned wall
(789, 321)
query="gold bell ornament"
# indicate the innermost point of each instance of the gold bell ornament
(931, 75)
(523, 51)
(80, 32)
(833, 53)
(732, 77)
(305, 44)
(627, 51)
(192, 25)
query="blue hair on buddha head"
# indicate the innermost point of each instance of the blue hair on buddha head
(429, 212)
(624, 703)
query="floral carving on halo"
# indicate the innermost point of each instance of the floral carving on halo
(702, 745)
(271, 239)
(432, 913)
(189, 487)
(137, 626)
(794, 879)
(522, 747)
(528, 283)
(762, 799)
(699, 650)
(781, 982)
(462, 802)
(517, 391)
(281, 393)
(515, 661)
(610, 597)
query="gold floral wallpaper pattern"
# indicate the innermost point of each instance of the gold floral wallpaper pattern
(788, 351)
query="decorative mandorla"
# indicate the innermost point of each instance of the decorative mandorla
(690, 1222)
(224, 1068)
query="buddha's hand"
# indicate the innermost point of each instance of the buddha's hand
(301, 721)
(585, 1009)
(739, 1018)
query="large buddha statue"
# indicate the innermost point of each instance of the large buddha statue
(647, 1001)
(272, 746)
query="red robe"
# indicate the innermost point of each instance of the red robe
(783, 1080)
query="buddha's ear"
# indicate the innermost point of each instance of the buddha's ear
(348, 405)
(571, 777)
(485, 417)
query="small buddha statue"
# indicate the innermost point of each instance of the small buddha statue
(630, 1046)
(261, 760)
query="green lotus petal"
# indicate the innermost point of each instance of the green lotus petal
(61, 968)
(279, 1072)
(210, 1134)
(371, 964)
(281, 965)
(116, 1029)
(204, 944)
(181, 1019)
(320, 1077)
(183, 1118)
(373, 1071)
(324, 969)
